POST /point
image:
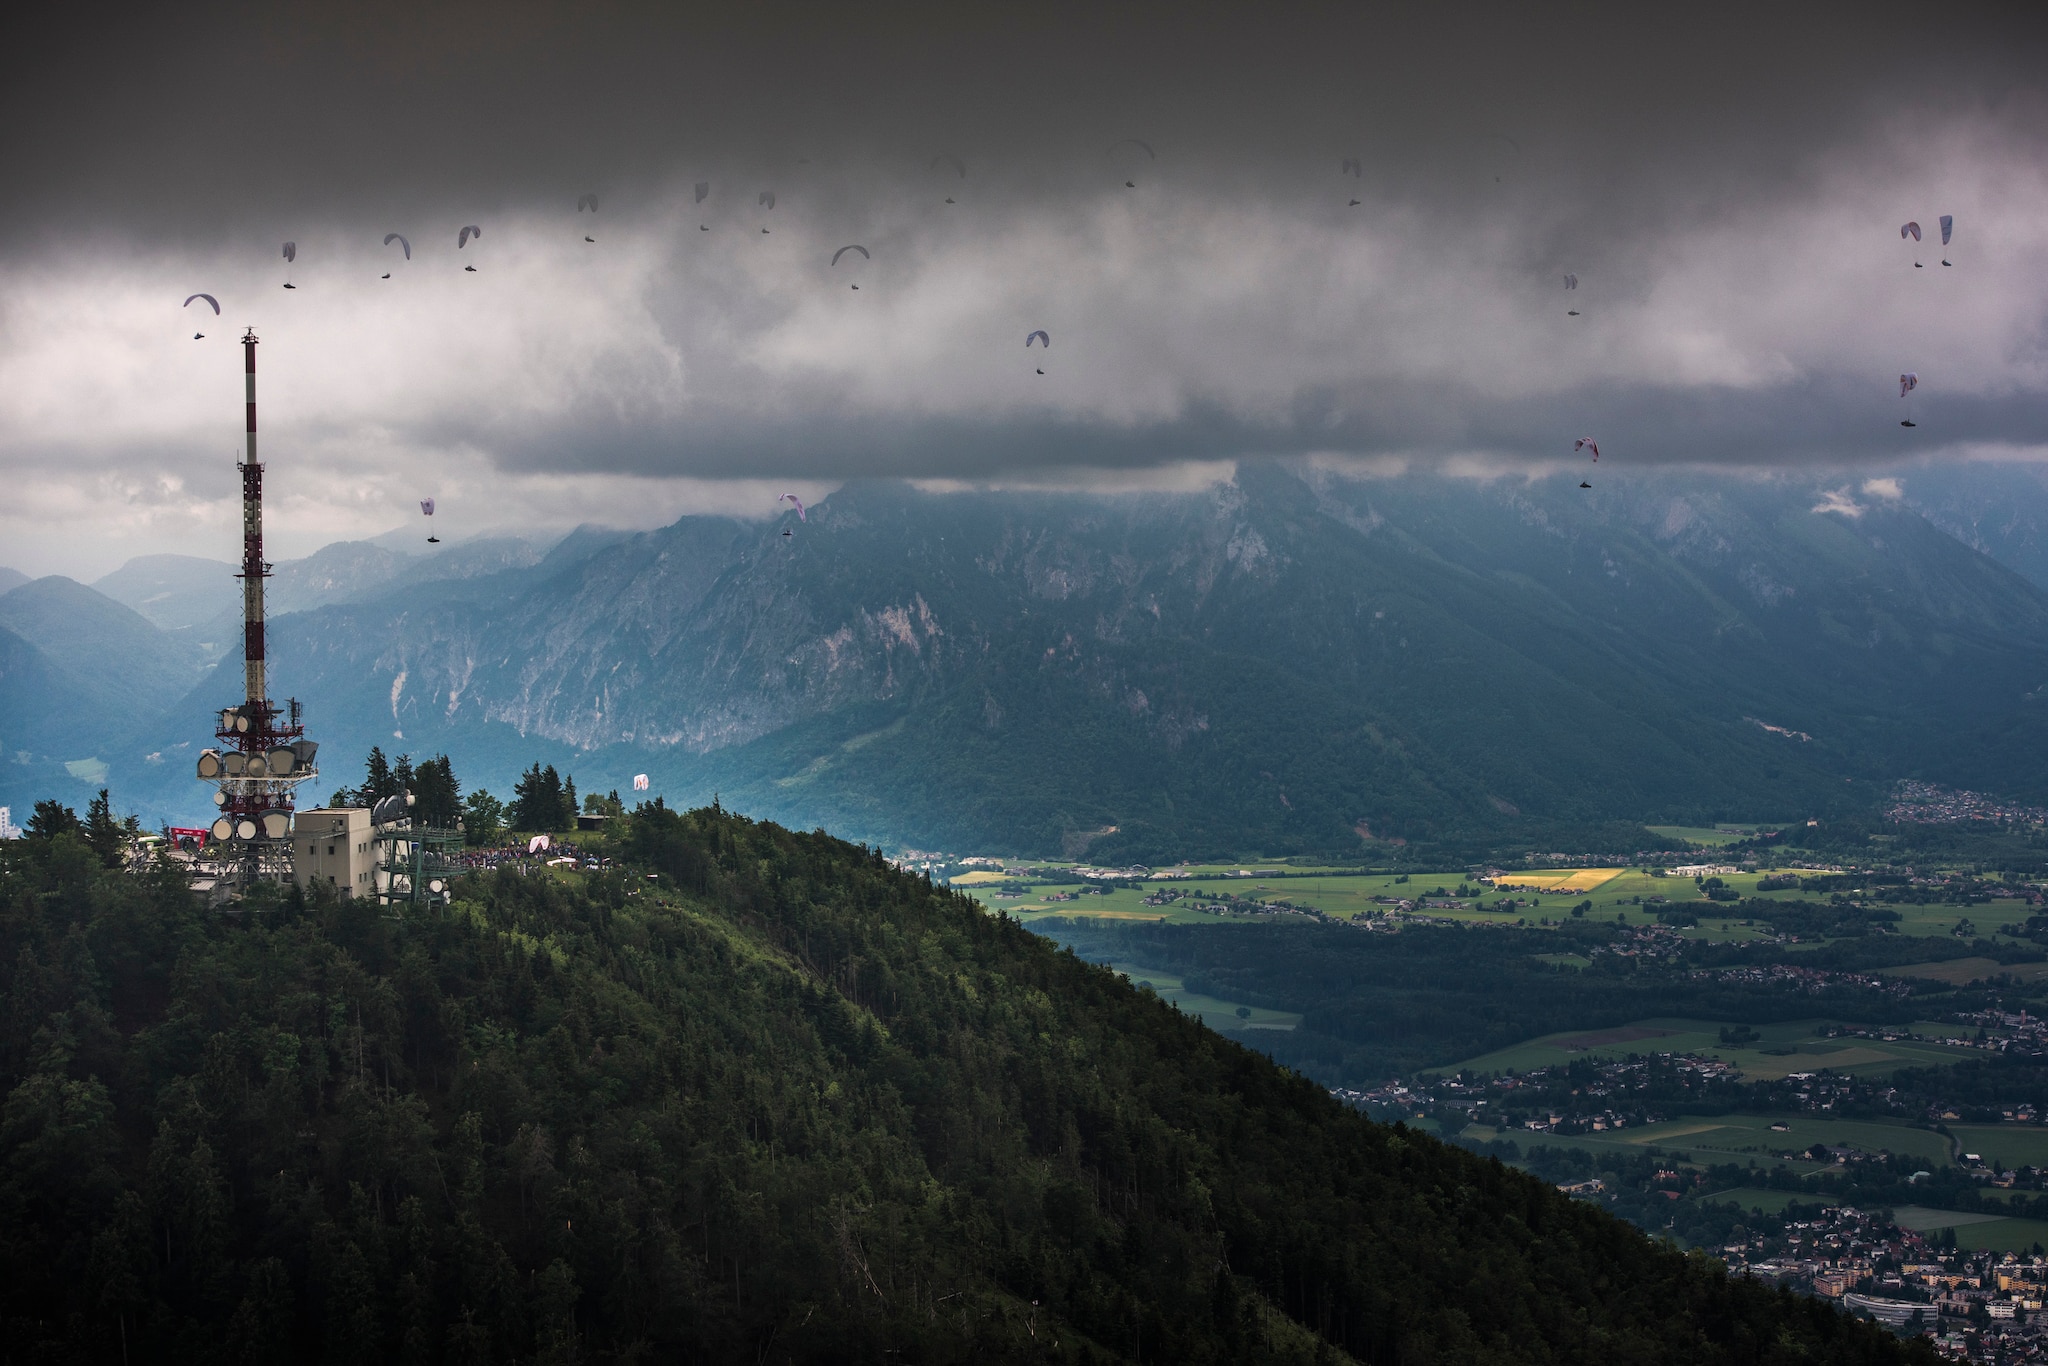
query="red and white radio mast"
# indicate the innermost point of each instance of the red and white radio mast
(262, 756)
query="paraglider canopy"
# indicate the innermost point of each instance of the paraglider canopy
(391, 237)
(948, 159)
(291, 251)
(1571, 282)
(586, 201)
(1040, 337)
(766, 199)
(1948, 227)
(1911, 230)
(427, 506)
(703, 188)
(1352, 168)
(1124, 161)
(853, 247)
(1587, 443)
(1908, 382)
(208, 297)
(462, 238)
(796, 503)
(639, 782)
(536, 844)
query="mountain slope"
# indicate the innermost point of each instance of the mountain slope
(123, 665)
(1292, 662)
(175, 592)
(797, 1107)
(39, 711)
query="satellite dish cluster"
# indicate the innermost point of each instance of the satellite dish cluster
(391, 810)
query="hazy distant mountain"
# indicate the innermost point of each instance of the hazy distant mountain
(1292, 661)
(11, 579)
(203, 598)
(79, 675)
(175, 592)
(2000, 509)
(124, 666)
(41, 721)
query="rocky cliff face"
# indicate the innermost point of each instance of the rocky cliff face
(1287, 661)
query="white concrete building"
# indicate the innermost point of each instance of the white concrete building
(333, 846)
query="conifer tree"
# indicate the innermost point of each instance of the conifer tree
(50, 819)
(103, 832)
(376, 779)
(439, 796)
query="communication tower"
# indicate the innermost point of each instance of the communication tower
(262, 753)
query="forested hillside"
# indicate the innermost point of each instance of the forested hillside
(778, 1103)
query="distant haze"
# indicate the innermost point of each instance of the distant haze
(1726, 185)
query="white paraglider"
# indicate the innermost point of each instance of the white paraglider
(196, 336)
(639, 782)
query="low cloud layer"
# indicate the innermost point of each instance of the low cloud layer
(1729, 203)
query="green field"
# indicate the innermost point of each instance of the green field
(1343, 895)
(2010, 1145)
(1974, 1231)
(1752, 1198)
(1712, 836)
(1710, 1139)
(1780, 1049)
(1217, 1014)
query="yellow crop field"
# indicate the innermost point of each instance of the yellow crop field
(980, 878)
(1574, 880)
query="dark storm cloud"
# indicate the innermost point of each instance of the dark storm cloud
(190, 119)
(1726, 181)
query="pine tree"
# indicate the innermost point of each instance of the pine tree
(402, 776)
(376, 779)
(568, 821)
(51, 819)
(532, 808)
(439, 795)
(102, 831)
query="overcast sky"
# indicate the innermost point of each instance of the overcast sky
(1727, 187)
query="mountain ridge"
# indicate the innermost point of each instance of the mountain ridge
(780, 1101)
(1017, 671)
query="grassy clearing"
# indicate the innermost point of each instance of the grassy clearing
(1614, 894)
(2007, 1145)
(1963, 971)
(1743, 1137)
(1779, 1050)
(1711, 836)
(1218, 1014)
(1752, 1198)
(2003, 1235)
(1993, 1232)
(1580, 880)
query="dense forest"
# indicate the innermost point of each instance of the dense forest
(765, 1098)
(1376, 1006)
